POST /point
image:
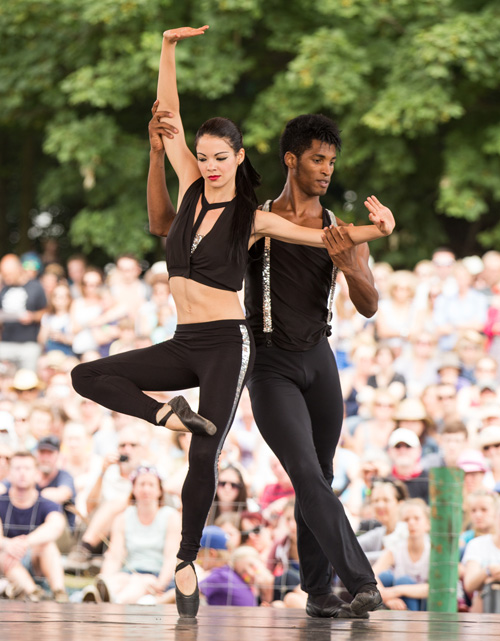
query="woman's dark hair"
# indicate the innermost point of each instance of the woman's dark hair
(300, 132)
(247, 179)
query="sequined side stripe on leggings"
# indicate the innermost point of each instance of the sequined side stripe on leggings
(245, 360)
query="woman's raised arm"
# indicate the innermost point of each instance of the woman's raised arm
(179, 155)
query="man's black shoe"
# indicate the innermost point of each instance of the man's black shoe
(329, 605)
(367, 599)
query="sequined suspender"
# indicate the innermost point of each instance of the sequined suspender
(266, 283)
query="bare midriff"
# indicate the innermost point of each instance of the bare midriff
(197, 303)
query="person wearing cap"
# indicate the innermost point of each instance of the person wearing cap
(489, 442)
(449, 371)
(22, 305)
(30, 525)
(228, 584)
(405, 453)
(140, 558)
(54, 483)
(473, 463)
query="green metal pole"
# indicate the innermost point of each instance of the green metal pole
(446, 497)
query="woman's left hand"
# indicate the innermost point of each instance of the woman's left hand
(174, 35)
(380, 215)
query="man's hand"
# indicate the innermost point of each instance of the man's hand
(380, 215)
(16, 547)
(174, 35)
(157, 129)
(340, 248)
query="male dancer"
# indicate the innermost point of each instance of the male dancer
(295, 388)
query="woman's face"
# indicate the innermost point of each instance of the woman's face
(228, 486)
(384, 502)
(416, 520)
(482, 513)
(217, 161)
(61, 298)
(147, 487)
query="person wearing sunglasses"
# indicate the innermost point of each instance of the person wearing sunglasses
(489, 442)
(231, 494)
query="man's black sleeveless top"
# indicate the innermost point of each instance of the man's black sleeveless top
(209, 263)
(300, 283)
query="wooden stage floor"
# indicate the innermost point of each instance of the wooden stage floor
(108, 622)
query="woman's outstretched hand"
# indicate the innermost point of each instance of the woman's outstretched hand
(380, 215)
(174, 35)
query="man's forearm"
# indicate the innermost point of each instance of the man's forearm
(47, 532)
(161, 211)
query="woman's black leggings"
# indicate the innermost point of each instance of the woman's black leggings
(297, 405)
(216, 356)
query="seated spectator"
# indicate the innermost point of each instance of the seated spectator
(482, 564)
(385, 375)
(396, 314)
(419, 366)
(283, 487)
(473, 463)
(30, 525)
(22, 305)
(489, 442)
(374, 463)
(453, 440)
(231, 494)
(148, 313)
(480, 515)
(470, 348)
(355, 377)
(108, 496)
(464, 309)
(126, 338)
(222, 585)
(26, 386)
(405, 453)
(402, 571)
(55, 330)
(283, 560)
(140, 559)
(55, 483)
(374, 432)
(78, 460)
(386, 499)
(256, 534)
(449, 371)
(447, 409)
(247, 563)
(411, 415)
(230, 522)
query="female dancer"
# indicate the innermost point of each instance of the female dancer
(212, 348)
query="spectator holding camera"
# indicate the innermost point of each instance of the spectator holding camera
(109, 495)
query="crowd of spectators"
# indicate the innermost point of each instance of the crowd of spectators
(90, 500)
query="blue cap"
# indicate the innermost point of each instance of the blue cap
(214, 537)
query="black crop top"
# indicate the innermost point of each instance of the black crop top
(203, 259)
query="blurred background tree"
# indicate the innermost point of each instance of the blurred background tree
(415, 87)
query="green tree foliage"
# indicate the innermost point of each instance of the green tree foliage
(414, 86)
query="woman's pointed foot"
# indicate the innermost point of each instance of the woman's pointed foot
(187, 604)
(190, 420)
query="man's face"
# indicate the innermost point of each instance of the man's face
(313, 170)
(47, 461)
(23, 472)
